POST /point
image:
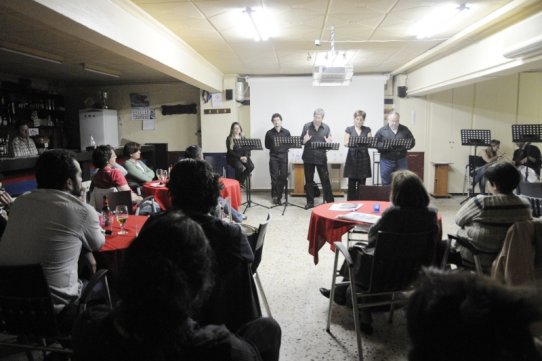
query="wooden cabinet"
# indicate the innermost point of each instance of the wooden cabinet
(415, 161)
(440, 189)
(335, 177)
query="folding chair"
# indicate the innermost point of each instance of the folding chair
(530, 189)
(476, 252)
(26, 309)
(262, 230)
(368, 193)
(394, 264)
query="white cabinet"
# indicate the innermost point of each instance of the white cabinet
(101, 124)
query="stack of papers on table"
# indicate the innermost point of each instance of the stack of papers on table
(345, 206)
(360, 217)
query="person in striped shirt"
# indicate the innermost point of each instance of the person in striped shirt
(485, 219)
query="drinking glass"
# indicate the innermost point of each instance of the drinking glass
(165, 176)
(159, 175)
(121, 212)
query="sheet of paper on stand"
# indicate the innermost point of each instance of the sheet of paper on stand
(345, 206)
(360, 217)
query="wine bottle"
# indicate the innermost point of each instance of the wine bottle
(106, 212)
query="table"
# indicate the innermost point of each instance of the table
(231, 189)
(335, 178)
(110, 255)
(325, 227)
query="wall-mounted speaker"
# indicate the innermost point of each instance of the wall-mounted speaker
(229, 94)
(402, 91)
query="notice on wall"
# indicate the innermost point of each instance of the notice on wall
(141, 110)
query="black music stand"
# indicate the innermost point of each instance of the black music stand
(356, 142)
(527, 133)
(324, 146)
(287, 142)
(476, 138)
(396, 145)
(249, 144)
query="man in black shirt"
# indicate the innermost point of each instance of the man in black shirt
(278, 158)
(392, 160)
(316, 131)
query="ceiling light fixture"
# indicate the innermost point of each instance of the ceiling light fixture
(31, 53)
(99, 70)
(332, 68)
(257, 24)
(440, 19)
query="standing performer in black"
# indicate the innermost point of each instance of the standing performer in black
(278, 158)
(358, 164)
(238, 157)
(316, 131)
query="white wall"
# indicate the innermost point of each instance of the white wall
(296, 99)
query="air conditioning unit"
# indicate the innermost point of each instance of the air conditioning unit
(332, 75)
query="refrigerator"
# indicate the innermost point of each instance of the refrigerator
(100, 124)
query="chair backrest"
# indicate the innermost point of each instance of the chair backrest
(374, 193)
(217, 162)
(536, 205)
(262, 230)
(120, 198)
(398, 258)
(97, 197)
(26, 307)
(476, 161)
(530, 189)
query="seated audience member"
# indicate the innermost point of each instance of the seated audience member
(194, 189)
(468, 317)
(167, 274)
(485, 219)
(51, 226)
(5, 203)
(22, 145)
(409, 213)
(195, 152)
(116, 165)
(138, 171)
(106, 176)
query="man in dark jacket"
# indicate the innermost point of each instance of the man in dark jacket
(391, 159)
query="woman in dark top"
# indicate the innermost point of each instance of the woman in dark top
(358, 164)
(409, 213)
(238, 157)
(165, 277)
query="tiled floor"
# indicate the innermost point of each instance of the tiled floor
(291, 282)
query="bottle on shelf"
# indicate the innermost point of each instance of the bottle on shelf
(92, 142)
(106, 213)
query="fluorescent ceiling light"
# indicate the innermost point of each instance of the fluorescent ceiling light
(257, 23)
(99, 70)
(31, 53)
(440, 19)
(526, 48)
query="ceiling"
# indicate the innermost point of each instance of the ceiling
(375, 32)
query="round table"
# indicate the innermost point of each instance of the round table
(325, 227)
(231, 189)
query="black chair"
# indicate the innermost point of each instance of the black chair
(388, 269)
(476, 252)
(262, 230)
(536, 206)
(26, 309)
(120, 198)
(530, 189)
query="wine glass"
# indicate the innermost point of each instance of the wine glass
(121, 211)
(159, 175)
(165, 176)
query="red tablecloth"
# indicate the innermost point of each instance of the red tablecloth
(116, 242)
(231, 189)
(325, 227)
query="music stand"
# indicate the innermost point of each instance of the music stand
(476, 138)
(249, 144)
(324, 146)
(396, 145)
(356, 142)
(288, 142)
(527, 133)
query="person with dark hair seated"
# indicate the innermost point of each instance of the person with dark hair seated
(464, 316)
(485, 219)
(194, 189)
(195, 152)
(409, 213)
(138, 171)
(167, 274)
(106, 176)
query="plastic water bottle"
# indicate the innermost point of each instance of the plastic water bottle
(376, 208)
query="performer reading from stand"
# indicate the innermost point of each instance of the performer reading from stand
(358, 164)
(528, 155)
(238, 157)
(316, 131)
(278, 158)
(392, 160)
(489, 155)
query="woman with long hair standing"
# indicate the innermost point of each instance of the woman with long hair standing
(236, 156)
(358, 164)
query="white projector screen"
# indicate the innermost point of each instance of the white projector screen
(296, 99)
